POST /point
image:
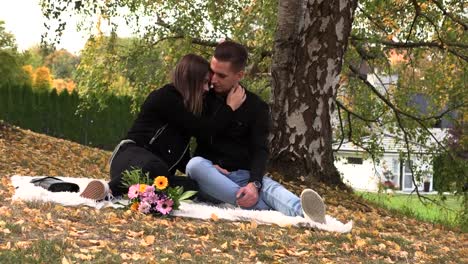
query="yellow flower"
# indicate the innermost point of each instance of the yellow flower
(161, 182)
(135, 206)
(142, 188)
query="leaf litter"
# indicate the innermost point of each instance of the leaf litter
(113, 236)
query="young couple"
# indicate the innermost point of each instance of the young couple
(231, 126)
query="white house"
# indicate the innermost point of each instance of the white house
(362, 173)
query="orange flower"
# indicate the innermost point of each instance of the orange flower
(135, 206)
(142, 188)
(161, 182)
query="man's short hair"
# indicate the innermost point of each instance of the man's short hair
(233, 52)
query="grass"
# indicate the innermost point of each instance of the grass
(447, 212)
(42, 251)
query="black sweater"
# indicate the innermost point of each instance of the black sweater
(165, 106)
(244, 143)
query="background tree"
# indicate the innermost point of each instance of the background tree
(42, 79)
(119, 66)
(34, 56)
(62, 63)
(10, 66)
(28, 75)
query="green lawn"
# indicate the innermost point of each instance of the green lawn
(447, 212)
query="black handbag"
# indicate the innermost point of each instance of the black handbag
(53, 184)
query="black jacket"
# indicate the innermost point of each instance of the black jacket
(165, 106)
(244, 143)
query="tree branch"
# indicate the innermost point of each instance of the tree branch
(394, 44)
(417, 9)
(340, 105)
(450, 15)
(394, 108)
(373, 20)
(350, 132)
(408, 153)
(201, 42)
(342, 130)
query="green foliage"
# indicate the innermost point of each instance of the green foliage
(62, 63)
(135, 176)
(168, 30)
(450, 173)
(35, 56)
(423, 51)
(42, 79)
(112, 65)
(7, 39)
(11, 60)
(46, 111)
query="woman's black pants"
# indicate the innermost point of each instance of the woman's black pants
(131, 156)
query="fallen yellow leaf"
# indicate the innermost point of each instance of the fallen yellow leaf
(360, 243)
(253, 224)
(65, 261)
(150, 240)
(214, 217)
(224, 246)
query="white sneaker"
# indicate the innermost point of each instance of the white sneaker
(96, 190)
(313, 206)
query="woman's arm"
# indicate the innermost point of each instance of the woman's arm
(168, 105)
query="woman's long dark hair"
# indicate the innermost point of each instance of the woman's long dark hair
(188, 78)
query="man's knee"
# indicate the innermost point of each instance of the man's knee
(195, 166)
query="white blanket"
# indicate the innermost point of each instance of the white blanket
(26, 191)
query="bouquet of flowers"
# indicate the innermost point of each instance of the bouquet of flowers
(153, 196)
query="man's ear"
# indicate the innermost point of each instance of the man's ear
(240, 75)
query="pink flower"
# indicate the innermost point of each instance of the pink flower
(149, 190)
(149, 195)
(144, 207)
(164, 206)
(150, 198)
(133, 191)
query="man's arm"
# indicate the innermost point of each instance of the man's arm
(259, 133)
(247, 196)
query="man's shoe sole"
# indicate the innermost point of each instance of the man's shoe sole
(313, 206)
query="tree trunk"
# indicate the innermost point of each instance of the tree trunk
(310, 43)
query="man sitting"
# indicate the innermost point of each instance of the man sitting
(230, 166)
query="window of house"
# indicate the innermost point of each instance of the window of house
(354, 160)
(395, 167)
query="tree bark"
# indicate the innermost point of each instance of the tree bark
(310, 42)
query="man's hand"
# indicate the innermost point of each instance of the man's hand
(223, 171)
(236, 97)
(247, 196)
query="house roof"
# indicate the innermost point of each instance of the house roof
(396, 144)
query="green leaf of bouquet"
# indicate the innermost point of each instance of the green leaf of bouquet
(135, 176)
(187, 195)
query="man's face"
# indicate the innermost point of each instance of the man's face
(224, 77)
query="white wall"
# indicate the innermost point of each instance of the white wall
(366, 176)
(358, 176)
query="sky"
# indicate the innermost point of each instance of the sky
(24, 19)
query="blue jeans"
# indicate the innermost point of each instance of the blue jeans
(224, 188)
